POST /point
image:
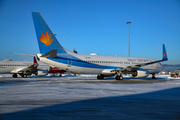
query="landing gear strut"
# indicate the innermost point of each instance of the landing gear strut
(24, 76)
(153, 76)
(100, 77)
(119, 77)
(14, 75)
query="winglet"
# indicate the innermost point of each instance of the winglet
(164, 54)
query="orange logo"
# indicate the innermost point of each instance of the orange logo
(46, 39)
(134, 60)
(164, 54)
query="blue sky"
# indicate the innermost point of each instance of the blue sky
(94, 26)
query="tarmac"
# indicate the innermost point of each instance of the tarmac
(84, 97)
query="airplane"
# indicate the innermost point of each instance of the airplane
(27, 68)
(52, 53)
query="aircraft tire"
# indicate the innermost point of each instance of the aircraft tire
(24, 76)
(14, 75)
(100, 77)
(119, 77)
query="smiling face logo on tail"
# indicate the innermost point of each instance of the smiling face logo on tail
(46, 39)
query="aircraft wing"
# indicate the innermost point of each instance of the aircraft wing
(31, 68)
(131, 68)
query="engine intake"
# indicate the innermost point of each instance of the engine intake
(140, 73)
(41, 72)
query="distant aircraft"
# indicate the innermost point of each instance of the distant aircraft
(54, 54)
(26, 68)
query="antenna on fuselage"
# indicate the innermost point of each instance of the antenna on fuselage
(75, 51)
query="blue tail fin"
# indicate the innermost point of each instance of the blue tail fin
(164, 54)
(46, 39)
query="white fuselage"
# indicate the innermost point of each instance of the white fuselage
(13, 67)
(97, 64)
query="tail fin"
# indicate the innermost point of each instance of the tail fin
(164, 54)
(35, 61)
(46, 39)
(35, 64)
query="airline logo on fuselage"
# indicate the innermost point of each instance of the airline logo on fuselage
(139, 60)
(46, 39)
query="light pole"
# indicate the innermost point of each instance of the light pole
(128, 38)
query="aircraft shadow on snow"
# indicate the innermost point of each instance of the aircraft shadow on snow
(162, 104)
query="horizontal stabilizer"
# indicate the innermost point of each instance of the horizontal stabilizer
(50, 54)
(23, 54)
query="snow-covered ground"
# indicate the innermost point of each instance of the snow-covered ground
(85, 97)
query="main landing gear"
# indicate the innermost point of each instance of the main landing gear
(14, 75)
(153, 76)
(119, 77)
(100, 77)
(24, 75)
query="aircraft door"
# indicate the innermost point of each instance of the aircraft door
(69, 62)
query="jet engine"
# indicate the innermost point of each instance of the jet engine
(140, 73)
(41, 72)
(108, 72)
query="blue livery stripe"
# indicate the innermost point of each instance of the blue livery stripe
(80, 63)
